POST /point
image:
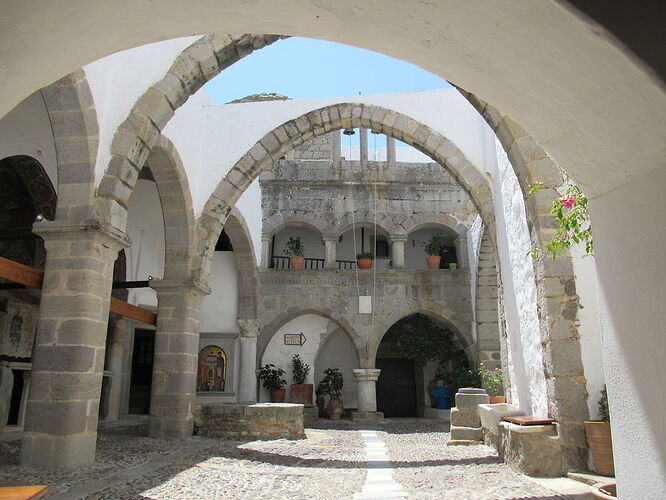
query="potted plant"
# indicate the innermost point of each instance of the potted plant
(321, 402)
(272, 380)
(453, 265)
(599, 439)
(295, 250)
(300, 391)
(333, 382)
(492, 382)
(432, 248)
(364, 260)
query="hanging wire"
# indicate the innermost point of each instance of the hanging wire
(353, 211)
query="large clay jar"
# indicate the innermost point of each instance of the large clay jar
(335, 408)
(321, 403)
(364, 263)
(433, 261)
(277, 395)
(302, 393)
(297, 262)
(601, 446)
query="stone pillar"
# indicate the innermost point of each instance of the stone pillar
(367, 392)
(398, 250)
(461, 252)
(465, 421)
(247, 386)
(114, 363)
(390, 151)
(363, 141)
(266, 251)
(337, 148)
(331, 243)
(175, 360)
(6, 386)
(68, 355)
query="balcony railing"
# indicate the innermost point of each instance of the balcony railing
(280, 262)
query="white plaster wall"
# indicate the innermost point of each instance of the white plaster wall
(117, 81)
(145, 227)
(219, 310)
(249, 205)
(474, 235)
(26, 130)
(630, 238)
(589, 328)
(528, 383)
(315, 328)
(339, 352)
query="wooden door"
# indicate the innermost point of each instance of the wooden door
(142, 371)
(396, 387)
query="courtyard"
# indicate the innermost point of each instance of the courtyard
(332, 462)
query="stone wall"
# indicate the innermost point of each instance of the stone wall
(257, 421)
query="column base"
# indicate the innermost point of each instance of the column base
(170, 428)
(56, 452)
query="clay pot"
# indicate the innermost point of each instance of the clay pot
(433, 261)
(605, 491)
(302, 393)
(296, 262)
(601, 446)
(497, 399)
(321, 403)
(277, 395)
(364, 263)
(335, 408)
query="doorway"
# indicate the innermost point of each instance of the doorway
(142, 371)
(396, 387)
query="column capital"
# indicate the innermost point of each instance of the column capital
(266, 237)
(176, 285)
(249, 328)
(397, 238)
(110, 235)
(366, 374)
(330, 237)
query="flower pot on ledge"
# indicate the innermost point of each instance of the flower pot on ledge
(433, 261)
(296, 262)
(364, 263)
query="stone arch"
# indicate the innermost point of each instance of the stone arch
(73, 117)
(292, 133)
(173, 188)
(276, 323)
(279, 221)
(419, 220)
(384, 222)
(447, 318)
(131, 144)
(244, 256)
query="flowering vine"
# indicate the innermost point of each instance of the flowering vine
(573, 218)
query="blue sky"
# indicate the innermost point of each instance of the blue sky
(303, 68)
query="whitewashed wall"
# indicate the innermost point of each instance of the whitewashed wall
(219, 310)
(474, 235)
(339, 352)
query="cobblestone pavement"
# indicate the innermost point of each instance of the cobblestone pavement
(329, 464)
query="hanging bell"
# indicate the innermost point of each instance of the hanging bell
(349, 131)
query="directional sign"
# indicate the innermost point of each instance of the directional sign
(294, 339)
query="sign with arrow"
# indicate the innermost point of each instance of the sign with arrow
(294, 339)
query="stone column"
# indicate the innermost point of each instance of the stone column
(114, 363)
(68, 355)
(398, 250)
(337, 148)
(266, 251)
(331, 243)
(363, 141)
(175, 360)
(247, 386)
(390, 151)
(367, 392)
(461, 252)
(6, 386)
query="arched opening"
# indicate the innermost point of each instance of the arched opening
(311, 243)
(415, 352)
(415, 252)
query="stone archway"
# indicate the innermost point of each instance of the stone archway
(245, 259)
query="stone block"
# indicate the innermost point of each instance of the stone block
(470, 401)
(367, 416)
(534, 450)
(466, 433)
(465, 418)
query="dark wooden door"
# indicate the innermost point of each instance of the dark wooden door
(396, 387)
(142, 371)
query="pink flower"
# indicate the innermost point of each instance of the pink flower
(568, 201)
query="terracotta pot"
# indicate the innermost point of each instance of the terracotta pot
(601, 447)
(277, 395)
(296, 262)
(604, 491)
(321, 403)
(497, 399)
(364, 263)
(302, 393)
(335, 408)
(433, 261)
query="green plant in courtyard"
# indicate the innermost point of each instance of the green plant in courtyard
(294, 247)
(271, 377)
(573, 221)
(459, 378)
(491, 380)
(332, 382)
(420, 338)
(434, 244)
(604, 413)
(300, 370)
(365, 255)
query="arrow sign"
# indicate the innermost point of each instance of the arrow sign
(294, 339)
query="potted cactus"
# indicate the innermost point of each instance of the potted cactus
(364, 260)
(295, 250)
(301, 392)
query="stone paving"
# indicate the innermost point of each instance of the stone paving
(329, 464)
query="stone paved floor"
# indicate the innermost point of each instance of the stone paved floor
(330, 463)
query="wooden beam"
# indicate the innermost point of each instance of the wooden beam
(33, 278)
(19, 273)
